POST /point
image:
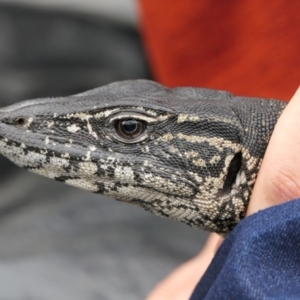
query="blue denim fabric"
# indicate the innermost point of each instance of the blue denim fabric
(260, 258)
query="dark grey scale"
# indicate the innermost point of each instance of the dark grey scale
(230, 221)
(171, 158)
(211, 128)
(182, 178)
(110, 171)
(30, 149)
(257, 137)
(137, 178)
(11, 143)
(113, 188)
(98, 124)
(27, 167)
(38, 165)
(72, 166)
(64, 178)
(60, 129)
(141, 203)
(214, 169)
(37, 124)
(101, 188)
(100, 172)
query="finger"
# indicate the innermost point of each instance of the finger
(180, 284)
(279, 177)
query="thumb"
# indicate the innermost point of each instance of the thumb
(279, 177)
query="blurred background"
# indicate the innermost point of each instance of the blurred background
(58, 242)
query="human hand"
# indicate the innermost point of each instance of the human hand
(180, 284)
(279, 176)
(278, 181)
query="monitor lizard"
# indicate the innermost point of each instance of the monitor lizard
(190, 154)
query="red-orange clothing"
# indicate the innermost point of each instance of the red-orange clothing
(246, 47)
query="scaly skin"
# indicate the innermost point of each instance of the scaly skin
(194, 158)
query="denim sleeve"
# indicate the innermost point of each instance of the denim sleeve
(260, 258)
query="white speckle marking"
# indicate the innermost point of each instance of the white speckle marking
(61, 162)
(87, 168)
(83, 184)
(105, 113)
(124, 174)
(90, 129)
(73, 128)
(88, 155)
(29, 121)
(184, 118)
(49, 124)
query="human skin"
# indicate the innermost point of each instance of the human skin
(278, 181)
(180, 283)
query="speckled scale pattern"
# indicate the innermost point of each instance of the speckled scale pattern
(176, 168)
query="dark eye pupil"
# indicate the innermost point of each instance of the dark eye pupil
(129, 126)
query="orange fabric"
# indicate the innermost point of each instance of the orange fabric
(246, 47)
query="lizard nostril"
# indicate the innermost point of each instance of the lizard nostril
(21, 122)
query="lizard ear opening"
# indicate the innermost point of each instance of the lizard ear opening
(233, 169)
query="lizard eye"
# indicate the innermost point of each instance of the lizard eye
(130, 128)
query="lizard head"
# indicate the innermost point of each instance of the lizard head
(180, 153)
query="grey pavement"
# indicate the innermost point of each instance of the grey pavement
(58, 242)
